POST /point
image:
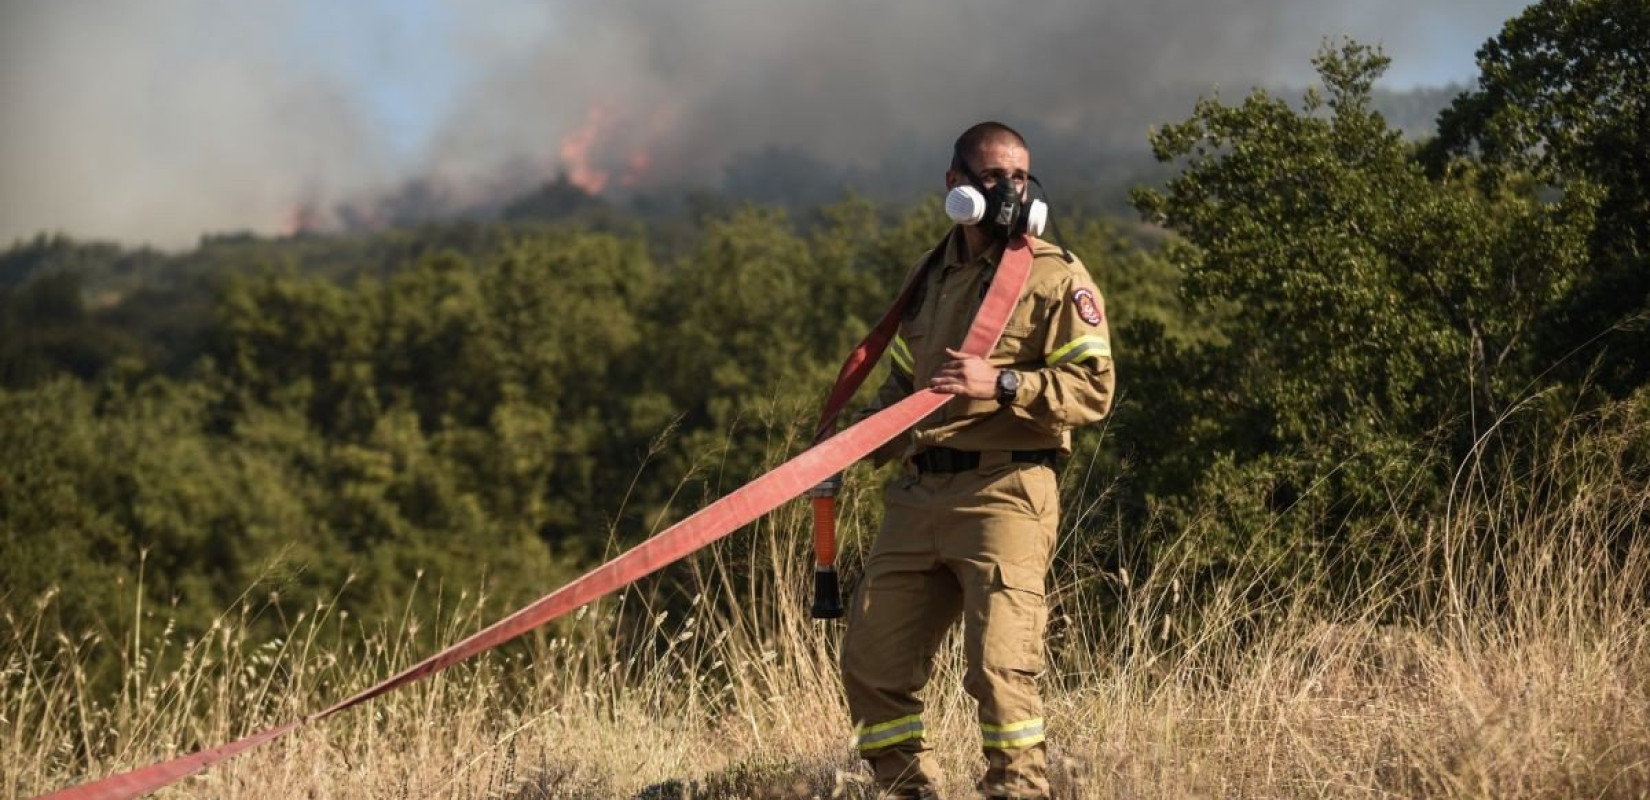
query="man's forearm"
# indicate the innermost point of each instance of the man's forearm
(1057, 399)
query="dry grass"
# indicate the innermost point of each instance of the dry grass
(1508, 657)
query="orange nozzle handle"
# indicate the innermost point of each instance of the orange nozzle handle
(825, 531)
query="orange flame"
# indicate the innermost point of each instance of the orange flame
(577, 148)
(590, 154)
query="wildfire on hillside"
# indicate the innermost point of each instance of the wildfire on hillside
(609, 143)
(577, 150)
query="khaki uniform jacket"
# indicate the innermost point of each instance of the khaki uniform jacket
(1056, 338)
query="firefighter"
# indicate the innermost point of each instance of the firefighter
(969, 528)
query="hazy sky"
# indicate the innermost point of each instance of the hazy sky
(157, 120)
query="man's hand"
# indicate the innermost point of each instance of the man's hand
(969, 376)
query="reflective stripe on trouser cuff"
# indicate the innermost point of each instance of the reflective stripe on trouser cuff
(1078, 349)
(901, 354)
(872, 737)
(1024, 733)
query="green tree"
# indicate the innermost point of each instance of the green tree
(1564, 95)
(1369, 306)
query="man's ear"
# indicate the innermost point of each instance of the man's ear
(952, 179)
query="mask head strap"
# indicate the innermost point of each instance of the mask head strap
(1053, 226)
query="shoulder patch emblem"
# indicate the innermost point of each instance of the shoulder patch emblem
(1087, 307)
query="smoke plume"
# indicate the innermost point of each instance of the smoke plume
(157, 120)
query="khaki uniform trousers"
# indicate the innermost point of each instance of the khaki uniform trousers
(975, 544)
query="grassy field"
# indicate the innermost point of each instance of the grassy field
(1509, 657)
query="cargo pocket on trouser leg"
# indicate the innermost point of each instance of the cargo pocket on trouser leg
(1015, 619)
(1004, 644)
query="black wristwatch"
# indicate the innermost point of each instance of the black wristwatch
(1008, 385)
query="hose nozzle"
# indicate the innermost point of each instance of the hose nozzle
(827, 590)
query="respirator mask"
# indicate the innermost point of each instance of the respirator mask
(999, 210)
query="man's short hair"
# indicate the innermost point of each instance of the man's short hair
(971, 140)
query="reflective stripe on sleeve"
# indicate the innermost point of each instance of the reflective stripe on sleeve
(883, 734)
(1078, 349)
(1014, 734)
(901, 354)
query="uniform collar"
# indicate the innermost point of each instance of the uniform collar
(954, 246)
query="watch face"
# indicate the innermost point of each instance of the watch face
(1008, 382)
